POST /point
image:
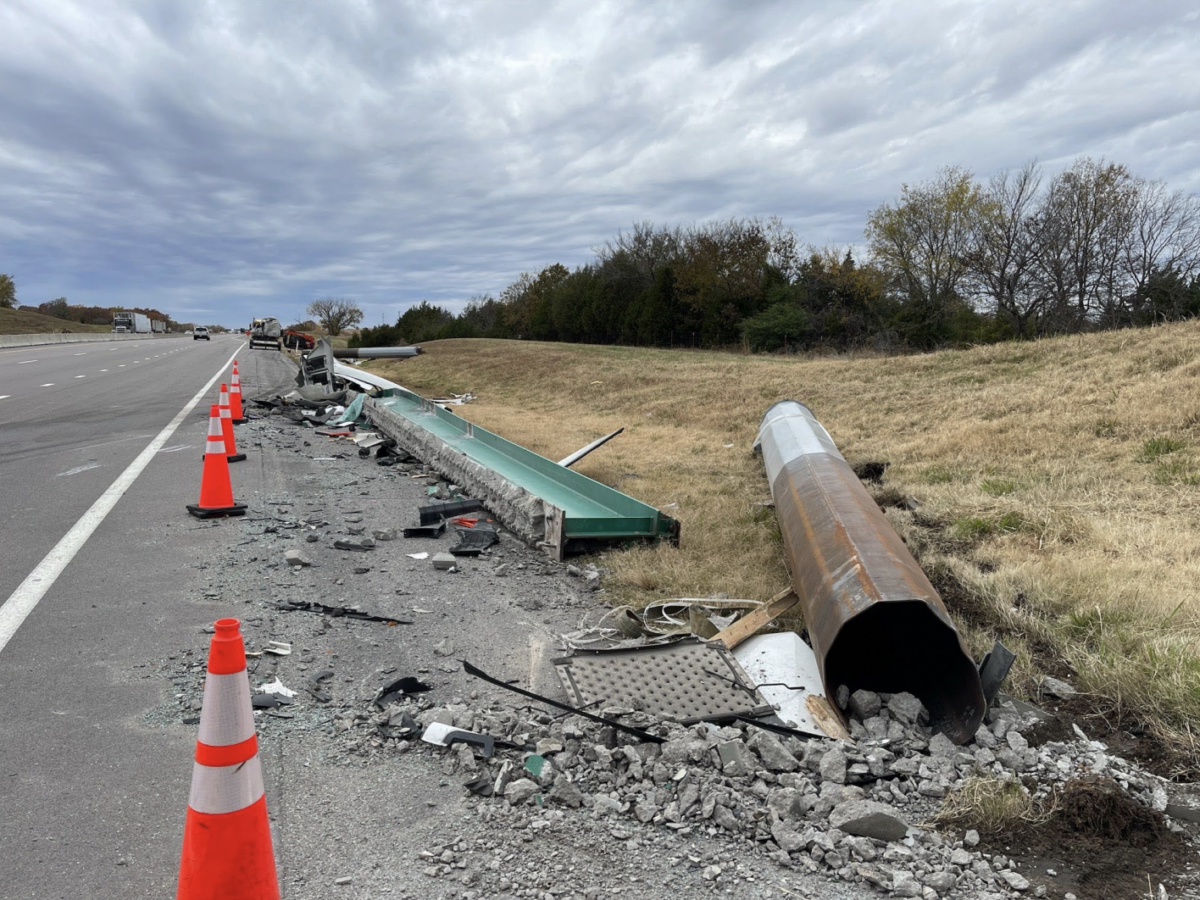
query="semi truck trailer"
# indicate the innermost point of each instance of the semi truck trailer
(125, 322)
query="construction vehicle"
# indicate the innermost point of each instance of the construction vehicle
(298, 340)
(265, 333)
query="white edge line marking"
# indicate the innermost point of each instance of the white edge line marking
(5, 396)
(29, 592)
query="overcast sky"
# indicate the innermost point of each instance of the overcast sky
(221, 160)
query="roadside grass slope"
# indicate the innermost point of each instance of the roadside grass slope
(1054, 485)
(16, 321)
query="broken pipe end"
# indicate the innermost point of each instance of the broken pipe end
(905, 646)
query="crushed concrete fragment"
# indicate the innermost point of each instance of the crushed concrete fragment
(1056, 688)
(864, 704)
(868, 818)
(297, 559)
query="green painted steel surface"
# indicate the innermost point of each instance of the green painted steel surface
(591, 509)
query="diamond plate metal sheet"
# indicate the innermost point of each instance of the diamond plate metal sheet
(685, 682)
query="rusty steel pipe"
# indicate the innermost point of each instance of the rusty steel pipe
(874, 619)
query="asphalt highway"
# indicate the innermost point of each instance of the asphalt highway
(90, 803)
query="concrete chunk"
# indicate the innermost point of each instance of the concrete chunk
(735, 758)
(1056, 688)
(833, 765)
(774, 755)
(868, 818)
(297, 559)
(443, 561)
(907, 708)
(864, 704)
(520, 791)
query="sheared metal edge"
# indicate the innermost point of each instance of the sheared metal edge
(875, 620)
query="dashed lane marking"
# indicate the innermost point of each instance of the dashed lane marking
(29, 592)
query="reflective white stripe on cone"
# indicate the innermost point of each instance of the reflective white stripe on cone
(227, 716)
(225, 789)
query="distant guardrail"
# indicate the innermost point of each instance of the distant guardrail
(35, 340)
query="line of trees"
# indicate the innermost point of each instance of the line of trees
(60, 308)
(951, 261)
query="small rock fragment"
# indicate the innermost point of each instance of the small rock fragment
(735, 758)
(833, 765)
(869, 818)
(1056, 688)
(297, 559)
(1015, 880)
(774, 755)
(907, 708)
(864, 704)
(519, 791)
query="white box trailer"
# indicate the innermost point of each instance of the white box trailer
(126, 322)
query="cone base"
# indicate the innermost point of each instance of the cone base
(228, 856)
(217, 512)
(240, 421)
(237, 457)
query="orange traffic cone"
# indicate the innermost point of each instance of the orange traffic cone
(235, 397)
(216, 492)
(226, 837)
(231, 454)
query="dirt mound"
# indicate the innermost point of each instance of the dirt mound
(1099, 809)
(1101, 844)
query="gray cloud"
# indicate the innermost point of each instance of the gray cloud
(225, 159)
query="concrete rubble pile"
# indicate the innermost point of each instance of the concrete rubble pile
(853, 811)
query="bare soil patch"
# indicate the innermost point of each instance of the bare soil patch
(1102, 845)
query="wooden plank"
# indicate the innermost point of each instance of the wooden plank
(752, 622)
(827, 717)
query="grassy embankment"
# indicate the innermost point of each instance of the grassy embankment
(1058, 483)
(13, 321)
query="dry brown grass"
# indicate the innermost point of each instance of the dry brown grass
(1058, 481)
(994, 806)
